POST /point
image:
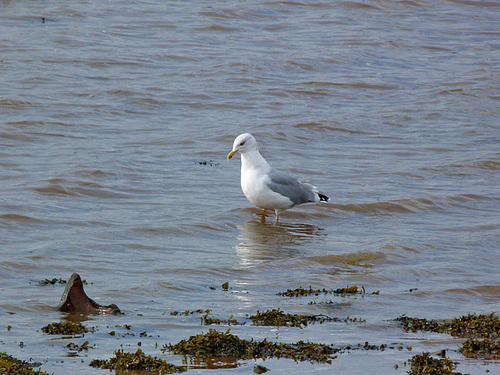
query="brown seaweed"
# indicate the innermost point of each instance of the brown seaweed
(137, 361)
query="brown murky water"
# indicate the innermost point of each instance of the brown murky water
(116, 118)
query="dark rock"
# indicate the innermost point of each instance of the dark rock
(74, 299)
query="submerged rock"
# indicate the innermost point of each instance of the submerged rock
(75, 300)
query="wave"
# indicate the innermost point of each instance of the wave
(16, 218)
(62, 187)
(411, 205)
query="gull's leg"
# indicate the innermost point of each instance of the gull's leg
(263, 216)
(277, 216)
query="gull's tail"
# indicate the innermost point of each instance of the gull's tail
(323, 197)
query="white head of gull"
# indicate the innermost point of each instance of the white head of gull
(265, 186)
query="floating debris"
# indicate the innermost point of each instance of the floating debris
(11, 365)
(278, 318)
(223, 345)
(137, 361)
(210, 163)
(225, 286)
(65, 328)
(424, 364)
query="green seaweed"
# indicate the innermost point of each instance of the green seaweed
(136, 361)
(424, 364)
(226, 345)
(13, 366)
(65, 328)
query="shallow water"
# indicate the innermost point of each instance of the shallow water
(116, 119)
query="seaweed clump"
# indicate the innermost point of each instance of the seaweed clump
(472, 325)
(424, 364)
(482, 330)
(276, 317)
(190, 312)
(485, 349)
(136, 361)
(65, 328)
(10, 365)
(231, 321)
(303, 292)
(52, 281)
(78, 348)
(226, 345)
(417, 324)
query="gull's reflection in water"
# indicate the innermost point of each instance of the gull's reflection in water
(260, 242)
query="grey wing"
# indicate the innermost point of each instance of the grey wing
(292, 188)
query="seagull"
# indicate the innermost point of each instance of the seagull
(265, 186)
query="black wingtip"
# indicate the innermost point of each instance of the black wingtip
(323, 197)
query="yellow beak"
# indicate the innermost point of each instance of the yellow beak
(231, 154)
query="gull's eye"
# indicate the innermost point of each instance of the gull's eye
(242, 143)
